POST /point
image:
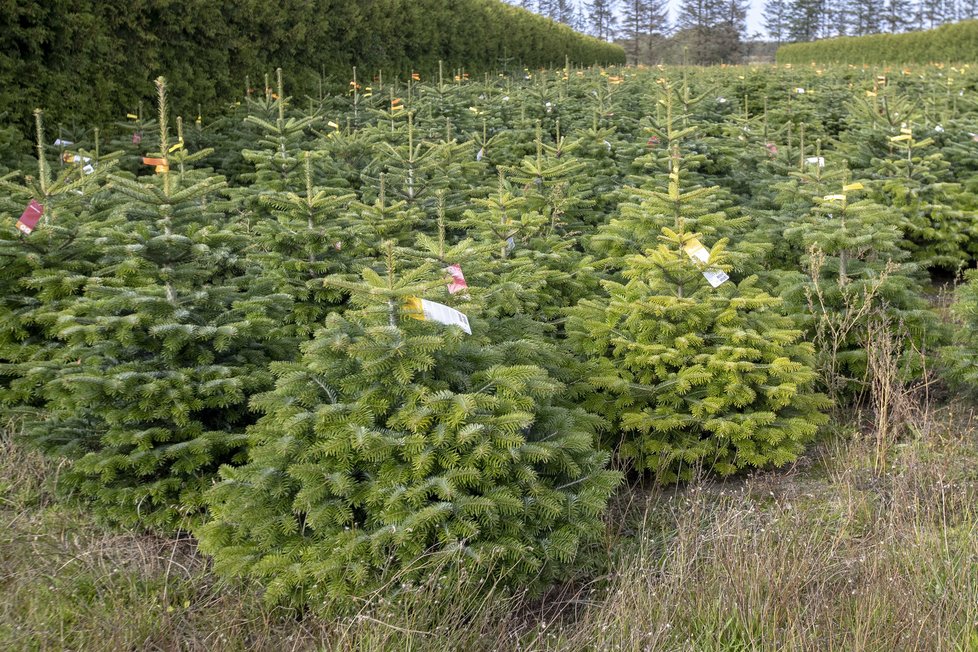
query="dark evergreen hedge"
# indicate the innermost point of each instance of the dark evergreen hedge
(948, 43)
(91, 61)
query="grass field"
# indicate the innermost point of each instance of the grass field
(833, 554)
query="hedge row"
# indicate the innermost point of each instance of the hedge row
(948, 43)
(90, 62)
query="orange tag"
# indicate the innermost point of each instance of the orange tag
(153, 161)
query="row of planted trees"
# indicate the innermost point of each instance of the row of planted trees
(247, 356)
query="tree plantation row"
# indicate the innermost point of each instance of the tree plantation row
(424, 329)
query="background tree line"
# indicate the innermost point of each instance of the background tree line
(91, 62)
(715, 31)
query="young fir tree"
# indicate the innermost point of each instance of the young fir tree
(917, 181)
(695, 376)
(555, 183)
(172, 334)
(709, 211)
(539, 267)
(47, 266)
(307, 238)
(396, 448)
(960, 360)
(855, 275)
(279, 162)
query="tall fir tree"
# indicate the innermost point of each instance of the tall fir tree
(776, 20)
(602, 18)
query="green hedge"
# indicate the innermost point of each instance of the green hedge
(89, 62)
(953, 43)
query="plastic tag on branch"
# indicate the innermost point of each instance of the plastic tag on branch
(137, 138)
(852, 187)
(175, 147)
(772, 149)
(424, 310)
(834, 198)
(161, 164)
(480, 154)
(75, 158)
(132, 116)
(800, 91)
(510, 243)
(30, 217)
(457, 283)
(816, 160)
(63, 143)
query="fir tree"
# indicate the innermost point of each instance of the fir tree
(397, 447)
(171, 335)
(695, 376)
(960, 360)
(856, 276)
(602, 18)
(776, 20)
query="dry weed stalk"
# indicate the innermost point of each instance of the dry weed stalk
(834, 327)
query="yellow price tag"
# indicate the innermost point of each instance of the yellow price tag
(132, 116)
(176, 147)
(852, 186)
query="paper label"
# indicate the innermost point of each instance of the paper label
(30, 217)
(438, 312)
(715, 277)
